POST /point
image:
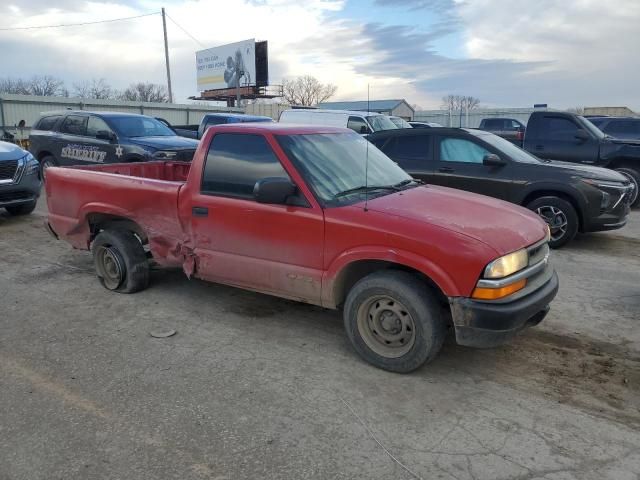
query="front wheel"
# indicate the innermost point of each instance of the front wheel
(121, 263)
(633, 175)
(46, 162)
(560, 216)
(394, 321)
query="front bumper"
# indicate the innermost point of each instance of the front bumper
(25, 190)
(489, 324)
(613, 217)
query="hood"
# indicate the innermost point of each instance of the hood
(586, 171)
(166, 143)
(9, 151)
(503, 226)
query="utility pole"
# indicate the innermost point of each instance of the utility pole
(166, 55)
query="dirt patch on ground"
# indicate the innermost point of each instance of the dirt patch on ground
(600, 378)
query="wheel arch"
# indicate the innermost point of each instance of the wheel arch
(551, 192)
(98, 222)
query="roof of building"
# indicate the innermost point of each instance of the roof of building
(364, 105)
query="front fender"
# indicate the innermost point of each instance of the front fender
(431, 269)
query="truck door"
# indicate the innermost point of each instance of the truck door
(558, 139)
(272, 248)
(460, 165)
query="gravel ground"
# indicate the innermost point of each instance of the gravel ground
(258, 387)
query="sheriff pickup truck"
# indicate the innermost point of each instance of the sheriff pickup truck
(318, 215)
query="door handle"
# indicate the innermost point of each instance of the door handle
(200, 211)
(445, 169)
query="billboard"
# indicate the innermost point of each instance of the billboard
(226, 66)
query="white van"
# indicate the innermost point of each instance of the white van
(360, 122)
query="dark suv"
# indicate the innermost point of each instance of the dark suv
(618, 127)
(84, 138)
(569, 197)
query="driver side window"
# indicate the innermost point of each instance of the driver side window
(95, 125)
(461, 150)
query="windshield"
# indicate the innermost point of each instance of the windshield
(400, 122)
(335, 162)
(381, 122)
(140, 127)
(516, 153)
(591, 127)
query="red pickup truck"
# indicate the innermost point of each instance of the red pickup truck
(287, 211)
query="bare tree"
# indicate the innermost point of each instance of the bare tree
(307, 91)
(47, 86)
(459, 104)
(96, 88)
(145, 92)
(469, 103)
(15, 86)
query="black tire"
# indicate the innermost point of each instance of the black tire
(121, 262)
(46, 162)
(24, 209)
(560, 216)
(418, 302)
(634, 176)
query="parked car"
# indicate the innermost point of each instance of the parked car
(84, 138)
(569, 197)
(211, 119)
(285, 210)
(400, 122)
(19, 180)
(572, 138)
(187, 131)
(360, 122)
(627, 128)
(507, 128)
(424, 124)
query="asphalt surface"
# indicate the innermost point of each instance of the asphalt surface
(254, 387)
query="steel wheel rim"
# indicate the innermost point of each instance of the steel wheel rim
(110, 267)
(556, 219)
(632, 179)
(386, 326)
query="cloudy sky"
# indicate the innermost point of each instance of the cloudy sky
(565, 53)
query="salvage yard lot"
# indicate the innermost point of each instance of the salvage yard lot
(258, 387)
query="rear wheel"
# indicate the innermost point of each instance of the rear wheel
(634, 177)
(46, 162)
(394, 321)
(560, 216)
(120, 261)
(24, 209)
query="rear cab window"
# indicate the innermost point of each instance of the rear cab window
(235, 162)
(47, 123)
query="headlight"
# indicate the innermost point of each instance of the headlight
(507, 265)
(164, 155)
(32, 166)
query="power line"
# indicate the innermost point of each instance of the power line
(4, 29)
(178, 25)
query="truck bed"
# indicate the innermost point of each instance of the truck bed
(145, 193)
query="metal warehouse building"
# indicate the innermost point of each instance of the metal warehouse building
(399, 108)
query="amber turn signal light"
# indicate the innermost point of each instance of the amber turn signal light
(496, 293)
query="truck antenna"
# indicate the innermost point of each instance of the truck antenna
(366, 165)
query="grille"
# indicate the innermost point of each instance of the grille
(8, 169)
(15, 195)
(185, 155)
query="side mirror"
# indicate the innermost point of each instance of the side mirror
(493, 160)
(581, 136)
(273, 190)
(105, 135)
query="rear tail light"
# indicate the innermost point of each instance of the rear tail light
(519, 135)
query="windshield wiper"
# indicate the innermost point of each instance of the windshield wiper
(408, 181)
(366, 188)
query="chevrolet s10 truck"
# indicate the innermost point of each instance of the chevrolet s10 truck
(287, 211)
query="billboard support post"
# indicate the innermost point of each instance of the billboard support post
(166, 55)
